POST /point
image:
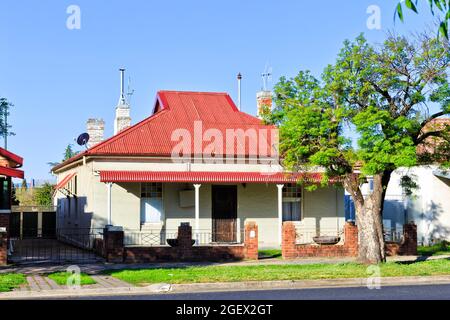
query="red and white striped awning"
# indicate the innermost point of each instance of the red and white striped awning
(208, 177)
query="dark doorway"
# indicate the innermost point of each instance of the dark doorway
(49, 225)
(30, 224)
(224, 213)
(14, 225)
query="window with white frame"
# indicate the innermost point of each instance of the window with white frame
(151, 202)
(292, 202)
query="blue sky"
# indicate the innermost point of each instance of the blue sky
(58, 78)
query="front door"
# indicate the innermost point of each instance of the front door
(224, 213)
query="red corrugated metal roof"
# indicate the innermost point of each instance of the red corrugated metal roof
(208, 177)
(11, 172)
(180, 110)
(12, 157)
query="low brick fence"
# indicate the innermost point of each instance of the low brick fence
(349, 248)
(407, 246)
(114, 250)
(291, 250)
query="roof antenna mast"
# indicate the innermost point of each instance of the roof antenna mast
(122, 100)
(239, 78)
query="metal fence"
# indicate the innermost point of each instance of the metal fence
(304, 235)
(159, 237)
(209, 237)
(149, 238)
(393, 235)
(66, 245)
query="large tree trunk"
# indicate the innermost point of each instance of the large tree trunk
(369, 217)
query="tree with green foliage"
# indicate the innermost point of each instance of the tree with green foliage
(383, 93)
(5, 127)
(438, 8)
(43, 195)
(69, 153)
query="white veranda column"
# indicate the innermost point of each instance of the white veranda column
(280, 212)
(109, 202)
(197, 211)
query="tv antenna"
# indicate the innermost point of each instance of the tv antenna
(130, 92)
(83, 139)
(266, 76)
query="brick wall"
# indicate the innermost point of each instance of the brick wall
(291, 250)
(113, 248)
(408, 245)
(185, 251)
(4, 223)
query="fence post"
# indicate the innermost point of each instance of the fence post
(113, 244)
(185, 241)
(288, 241)
(351, 238)
(251, 240)
(4, 228)
(408, 246)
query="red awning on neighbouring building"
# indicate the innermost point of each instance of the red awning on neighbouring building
(11, 172)
(208, 177)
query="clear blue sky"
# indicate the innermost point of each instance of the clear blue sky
(58, 78)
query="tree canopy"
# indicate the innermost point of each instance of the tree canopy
(439, 8)
(384, 93)
(390, 96)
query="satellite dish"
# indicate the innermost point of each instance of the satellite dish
(83, 139)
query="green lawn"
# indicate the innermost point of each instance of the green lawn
(10, 281)
(61, 278)
(276, 272)
(435, 250)
(269, 253)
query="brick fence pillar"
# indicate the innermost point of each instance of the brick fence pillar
(251, 240)
(4, 229)
(409, 243)
(351, 239)
(113, 244)
(288, 243)
(185, 241)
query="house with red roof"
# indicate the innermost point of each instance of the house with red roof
(9, 168)
(198, 159)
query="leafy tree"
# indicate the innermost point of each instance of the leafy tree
(43, 195)
(383, 93)
(24, 185)
(14, 200)
(443, 12)
(4, 126)
(69, 153)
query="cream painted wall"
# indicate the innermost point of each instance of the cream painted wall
(256, 202)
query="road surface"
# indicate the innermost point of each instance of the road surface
(417, 292)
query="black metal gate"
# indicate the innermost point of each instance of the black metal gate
(64, 246)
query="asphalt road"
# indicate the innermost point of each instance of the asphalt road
(418, 292)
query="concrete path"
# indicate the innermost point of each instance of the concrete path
(39, 283)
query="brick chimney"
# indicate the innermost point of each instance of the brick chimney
(95, 128)
(263, 102)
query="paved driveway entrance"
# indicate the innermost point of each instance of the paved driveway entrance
(65, 247)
